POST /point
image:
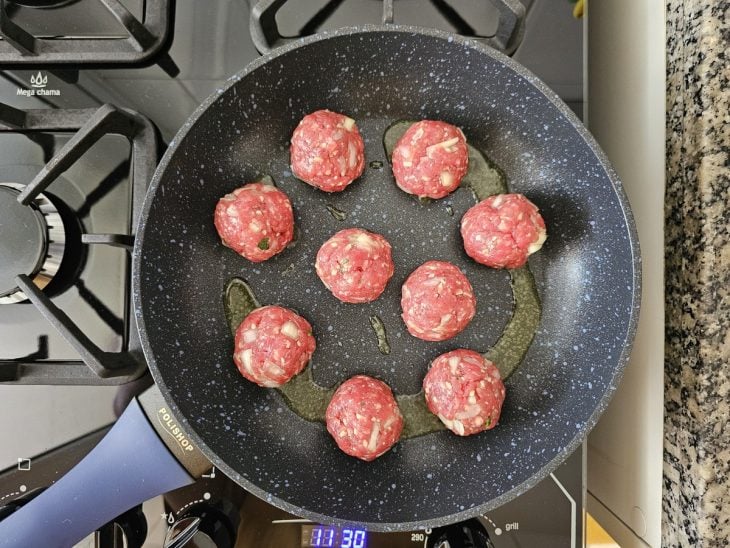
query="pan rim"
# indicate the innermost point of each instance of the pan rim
(564, 110)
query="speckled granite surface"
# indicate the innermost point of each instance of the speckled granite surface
(697, 240)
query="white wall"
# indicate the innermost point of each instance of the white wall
(626, 113)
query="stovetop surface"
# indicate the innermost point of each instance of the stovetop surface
(210, 43)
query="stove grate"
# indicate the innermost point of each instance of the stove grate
(142, 42)
(98, 367)
(266, 35)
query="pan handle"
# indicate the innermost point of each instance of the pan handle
(266, 36)
(130, 465)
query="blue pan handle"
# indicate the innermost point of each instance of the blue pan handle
(130, 465)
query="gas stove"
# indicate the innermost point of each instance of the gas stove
(90, 92)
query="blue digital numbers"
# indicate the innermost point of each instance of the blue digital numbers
(353, 538)
(333, 537)
(323, 537)
(316, 539)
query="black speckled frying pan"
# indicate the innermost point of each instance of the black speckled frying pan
(587, 277)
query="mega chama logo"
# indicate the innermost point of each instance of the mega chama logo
(38, 83)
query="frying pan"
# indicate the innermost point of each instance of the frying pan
(587, 276)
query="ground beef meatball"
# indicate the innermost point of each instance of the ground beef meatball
(503, 230)
(327, 151)
(430, 159)
(465, 391)
(256, 221)
(355, 265)
(272, 345)
(363, 418)
(438, 301)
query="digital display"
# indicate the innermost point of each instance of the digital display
(325, 536)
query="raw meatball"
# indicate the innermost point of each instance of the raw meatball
(438, 301)
(363, 418)
(430, 159)
(327, 151)
(272, 345)
(503, 230)
(256, 221)
(465, 391)
(355, 265)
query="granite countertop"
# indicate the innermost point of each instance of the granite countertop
(696, 497)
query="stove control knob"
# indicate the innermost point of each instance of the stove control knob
(205, 525)
(182, 532)
(128, 529)
(467, 534)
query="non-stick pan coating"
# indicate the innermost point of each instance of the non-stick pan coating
(587, 276)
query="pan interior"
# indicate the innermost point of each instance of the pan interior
(584, 273)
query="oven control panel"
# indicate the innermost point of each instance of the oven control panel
(548, 516)
(471, 534)
(215, 512)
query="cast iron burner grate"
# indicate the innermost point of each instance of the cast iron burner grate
(142, 40)
(96, 366)
(266, 34)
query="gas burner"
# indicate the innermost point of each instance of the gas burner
(33, 242)
(47, 343)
